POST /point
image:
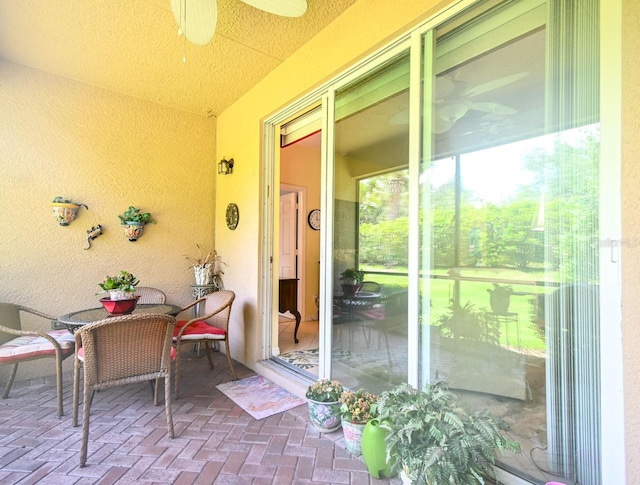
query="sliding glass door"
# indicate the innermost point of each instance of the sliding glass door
(504, 225)
(509, 202)
(370, 241)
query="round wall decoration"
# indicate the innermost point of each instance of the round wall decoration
(314, 219)
(233, 216)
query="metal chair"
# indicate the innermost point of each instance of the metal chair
(18, 345)
(211, 326)
(118, 351)
(147, 294)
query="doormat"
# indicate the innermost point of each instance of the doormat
(259, 397)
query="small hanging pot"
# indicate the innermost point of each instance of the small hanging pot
(133, 230)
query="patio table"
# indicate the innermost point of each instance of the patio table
(75, 320)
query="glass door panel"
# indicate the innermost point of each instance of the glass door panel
(369, 317)
(509, 197)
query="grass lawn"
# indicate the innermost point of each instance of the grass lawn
(442, 288)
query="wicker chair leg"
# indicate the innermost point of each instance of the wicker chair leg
(7, 388)
(167, 403)
(86, 406)
(76, 390)
(59, 381)
(177, 373)
(233, 371)
(207, 347)
(154, 390)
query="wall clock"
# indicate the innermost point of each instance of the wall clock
(233, 216)
(314, 219)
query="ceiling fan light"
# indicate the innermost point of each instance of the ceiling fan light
(284, 8)
(196, 19)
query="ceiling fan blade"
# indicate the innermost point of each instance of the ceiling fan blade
(284, 8)
(444, 87)
(495, 84)
(494, 108)
(440, 125)
(196, 19)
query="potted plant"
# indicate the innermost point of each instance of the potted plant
(65, 210)
(351, 279)
(324, 405)
(466, 322)
(133, 222)
(207, 269)
(356, 409)
(432, 439)
(120, 287)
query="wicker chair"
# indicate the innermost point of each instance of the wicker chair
(150, 295)
(18, 345)
(122, 350)
(212, 325)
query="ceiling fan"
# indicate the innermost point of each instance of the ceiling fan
(454, 99)
(197, 19)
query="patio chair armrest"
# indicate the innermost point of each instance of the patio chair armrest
(194, 303)
(35, 312)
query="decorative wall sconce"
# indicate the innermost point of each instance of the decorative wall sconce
(225, 167)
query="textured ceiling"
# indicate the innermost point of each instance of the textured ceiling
(132, 47)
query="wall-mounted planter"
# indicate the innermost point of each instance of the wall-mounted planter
(133, 230)
(133, 222)
(65, 211)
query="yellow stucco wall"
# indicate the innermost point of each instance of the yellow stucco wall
(62, 138)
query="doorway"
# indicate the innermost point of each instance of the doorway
(298, 260)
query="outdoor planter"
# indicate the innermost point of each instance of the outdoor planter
(65, 211)
(353, 436)
(324, 416)
(119, 307)
(133, 230)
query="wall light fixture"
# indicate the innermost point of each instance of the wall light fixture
(225, 167)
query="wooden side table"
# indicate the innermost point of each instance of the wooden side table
(288, 300)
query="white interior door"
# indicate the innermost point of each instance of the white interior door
(288, 236)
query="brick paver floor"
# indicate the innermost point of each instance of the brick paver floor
(216, 441)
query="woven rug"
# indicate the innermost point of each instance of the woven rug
(259, 397)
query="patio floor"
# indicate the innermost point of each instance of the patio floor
(215, 440)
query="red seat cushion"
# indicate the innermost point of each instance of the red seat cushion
(198, 330)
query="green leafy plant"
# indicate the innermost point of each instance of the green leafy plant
(124, 282)
(324, 390)
(434, 440)
(352, 274)
(62, 200)
(468, 323)
(359, 406)
(133, 215)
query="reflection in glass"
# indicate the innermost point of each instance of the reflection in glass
(510, 197)
(369, 347)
